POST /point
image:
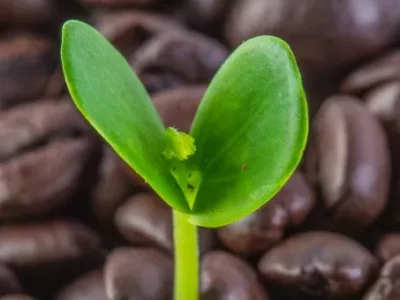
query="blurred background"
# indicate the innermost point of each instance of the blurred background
(76, 223)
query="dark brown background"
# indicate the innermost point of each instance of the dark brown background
(76, 223)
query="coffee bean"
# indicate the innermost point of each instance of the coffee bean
(145, 274)
(146, 219)
(350, 163)
(29, 124)
(322, 35)
(88, 287)
(263, 228)
(9, 283)
(111, 189)
(161, 56)
(386, 68)
(388, 246)
(42, 180)
(26, 64)
(33, 244)
(176, 108)
(387, 287)
(226, 277)
(27, 12)
(322, 263)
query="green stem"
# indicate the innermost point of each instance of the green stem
(186, 259)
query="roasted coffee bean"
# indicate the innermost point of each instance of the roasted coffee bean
(163, 55)
(322, 263)
(88, 287)
(16, 297)
(323, 34)
(387, 286)
(128, 29)
(226, 277)
(111, 189)
(27, 12)
(42, 180)
(9, 283)
(177, 108)
(145, 274)
(388, 246)
(266, 226)
(112, 3)
(33, 244)
(350, 163)
(384, 69)
(146, 219)
(26, 64)
(25, 125)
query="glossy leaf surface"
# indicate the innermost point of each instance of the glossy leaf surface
(114, 101)
(250, 131)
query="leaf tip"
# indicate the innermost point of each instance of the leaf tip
(67, 27)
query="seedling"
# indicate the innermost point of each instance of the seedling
(246, 139)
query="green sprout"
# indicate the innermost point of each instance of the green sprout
(246, 140)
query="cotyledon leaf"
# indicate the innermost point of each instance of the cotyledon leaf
(250, 131)
(114, 101)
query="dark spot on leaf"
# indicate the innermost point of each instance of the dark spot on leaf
(190, 187)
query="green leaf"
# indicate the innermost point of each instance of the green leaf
(112, 98)
(250, 131)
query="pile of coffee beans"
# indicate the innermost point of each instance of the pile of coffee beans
(78, 224)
